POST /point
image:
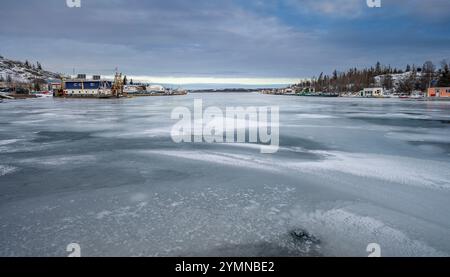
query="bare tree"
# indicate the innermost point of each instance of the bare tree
(388, 83)
(428, 74)
(407, 85)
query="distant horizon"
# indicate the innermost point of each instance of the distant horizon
(223, 86)
(213, 82)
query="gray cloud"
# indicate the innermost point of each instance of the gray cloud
(334, 8)
(200, 38)
(430, 9)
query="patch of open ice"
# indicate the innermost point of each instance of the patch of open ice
(103, 214)
(9, 141)
(245, 145)
(349, 233)
(390, 115)
(404, 170)
(237, 160)
(61, 160)
(430, 137)
(127, 134)
(314, 116)
(138, 197)
(6, 169)
(409, 171)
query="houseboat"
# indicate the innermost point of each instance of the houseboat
(81, 87)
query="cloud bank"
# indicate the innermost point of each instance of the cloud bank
(218, 40)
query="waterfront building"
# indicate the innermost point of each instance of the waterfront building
(155, 89)
(134, 89)
(82, 87)
(439, 92)
(372, 92)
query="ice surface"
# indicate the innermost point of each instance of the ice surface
(106, 174)
(393, 169)
(5, 169)
(313, 116)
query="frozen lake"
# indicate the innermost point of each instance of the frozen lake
(106, 174)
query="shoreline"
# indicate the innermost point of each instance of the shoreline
(356, 97)
(26, 96)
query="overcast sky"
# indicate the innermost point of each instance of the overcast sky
(223, 41)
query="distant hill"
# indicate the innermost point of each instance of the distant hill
(398, 78)
(24, 72)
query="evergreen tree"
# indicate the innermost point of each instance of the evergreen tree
(131, 82)
(335, 75)
(408, 68)
(36, 86)
(378, 68)
(125, 81)
(354, 80)
(444, 78)
(39, 66)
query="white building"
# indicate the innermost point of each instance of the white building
(156, 89)
(372, 92)
(132, 89)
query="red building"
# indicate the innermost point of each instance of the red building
(439, 92)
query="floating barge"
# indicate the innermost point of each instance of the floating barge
(81, 87)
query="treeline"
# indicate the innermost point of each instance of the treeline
(125, 81)
(29, 65)
(354, 80)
